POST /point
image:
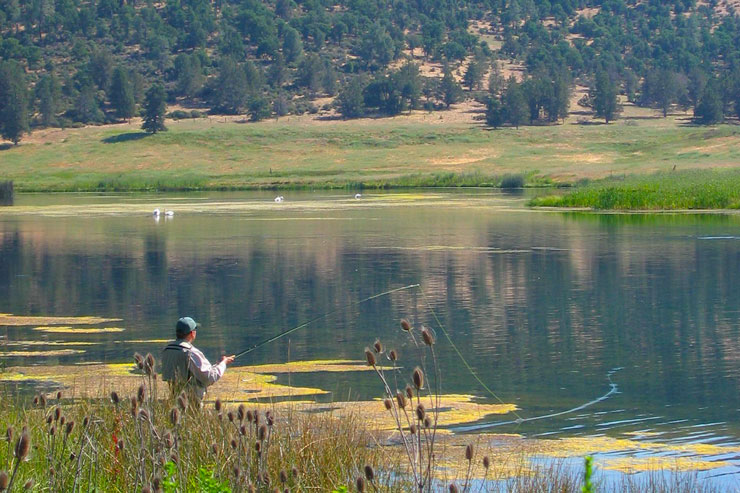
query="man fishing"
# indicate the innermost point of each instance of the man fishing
(185, 367)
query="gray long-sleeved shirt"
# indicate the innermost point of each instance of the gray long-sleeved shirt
(184, 363)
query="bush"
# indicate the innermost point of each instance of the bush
(512, 181)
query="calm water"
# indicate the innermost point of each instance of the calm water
(544, 305)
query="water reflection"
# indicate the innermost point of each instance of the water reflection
(543, 305)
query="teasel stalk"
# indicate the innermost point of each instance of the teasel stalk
(83, 439)
(469, 452)
(22, 447)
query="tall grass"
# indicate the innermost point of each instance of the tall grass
(695, 189)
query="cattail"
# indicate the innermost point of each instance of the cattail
(486, 462)
(420, 412)
(388, 404)
(217, 405)
(378, 346)
(283, 476)
(139, 360)
(427, 422)
(141, 393)
(70, 426)
(28, 485)
(262, 433)
(59, 395)
(230, 415)
(295, 472)
(9, 434)
(182, 402)
(360, 484)
(115, 399)
(4, 480)
(418, 378)
(23, 445)
(427, 336)
(453, 488)
(393, 355)
(469, 452)
(401, 399)
(412, 429)
(370, 357)
(240, 412)
(149, 364)
(405, 325)
(250, 416)
(369, 472)
(174, 416)
(57, 413)
(233, 443)
(409, 392)
(120, 444)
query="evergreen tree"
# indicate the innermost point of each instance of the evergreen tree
(710, 110)
(189, 77)
(87, 106)
(14, 117)
(155, 107)
(515, 104)
(473, 75)
(292, 45)
(350, 102)
(100, 68)
(277, 74)
(604, 97)
(122, 94)
(49, 95)
(229, 91)
(450, 90)
(495, 80)
(495, 116)
(309, 73)
(259, 108)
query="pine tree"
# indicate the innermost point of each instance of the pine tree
(350, 102)
(450, 90)
(605, 97)
(515, 104)
(709, 110)
(14, 117)
(122, 94)
(49, 94)
(155, 107)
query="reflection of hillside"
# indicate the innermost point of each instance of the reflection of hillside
(543, 302)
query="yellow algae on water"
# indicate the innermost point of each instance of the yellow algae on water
(630, 465)
(146, 341)
(33, 354)
(71, 330)
(339, 365)
(579, 446)
(17, 320)
(48, 343)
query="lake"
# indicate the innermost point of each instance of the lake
(553, 310)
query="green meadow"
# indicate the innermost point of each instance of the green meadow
(217, 154)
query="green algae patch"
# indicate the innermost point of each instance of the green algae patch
(74, 330)
(17, 320)
(39, 354)
(340, 365)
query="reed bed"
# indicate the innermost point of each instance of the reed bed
(6, 193)
(673, 190)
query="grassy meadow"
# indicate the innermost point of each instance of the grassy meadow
(408, 151)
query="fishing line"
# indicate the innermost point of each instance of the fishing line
(304, 324)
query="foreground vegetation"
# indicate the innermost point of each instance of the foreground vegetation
(662, 191)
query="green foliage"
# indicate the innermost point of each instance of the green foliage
(450, 90)
(155, 107)
(588, 486)
(350, 101)
(604, 95)
(14, 107)
(122, 94)
(341, 489)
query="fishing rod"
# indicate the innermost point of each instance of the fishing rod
(304, 324)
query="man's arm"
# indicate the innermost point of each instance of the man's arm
(203, 371)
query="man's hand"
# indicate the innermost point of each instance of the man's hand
(227, 359)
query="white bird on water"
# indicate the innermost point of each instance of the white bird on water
(156, 212)
(169, 213)
(279, 198)
(358, 196)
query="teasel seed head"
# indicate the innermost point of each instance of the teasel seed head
(42, 400)
(258, 447)
(250, 416)
(240, 412)
(139, 360)
(405, 325)
(120, 444)
(243, 430)
(393, 355)
(57, 413)
(412, 429)
(427, 422)
(217, 405)
(369, 472)
(59, 395)
(418, 378)
(4, 480)
(283, 476)
(370, 357)
(23, 445)
(486, 462)
(388, 404)
(453, 488)
(401, 399)
(233, 443)
(115, 399)
(70, 426)
(146, 489)
(378, 346)
(52, 430)
(174, 457)
(230, 415)
(427, 336)
(295, 472)
(237, 472)
(141, 393)
(182, 402)
(360, 484)
(52, 471)
(49, 419)
(85, 421)
(149, 364)
(72, 456)
(35, 400)
(270, 419)
(256, 415)
(28, 485)
(174, 416)
(62, 420)
(420, 412)
(143, 414)
(409, 392)
(9, 434)
(262, 433)
(469, 452)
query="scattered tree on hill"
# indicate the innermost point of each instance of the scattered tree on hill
(473, 75)
(450, 90)
(155, 107)
(258, 108)
(515, 104)
(229, 91)
(709, 110)
(495, 115)
(604, 96)
(14, 114)
(189, 77)
(122, 94)
(49, 96)
(292, 45)
(350, 101)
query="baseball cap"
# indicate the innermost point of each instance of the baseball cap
(185, 326)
